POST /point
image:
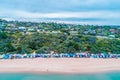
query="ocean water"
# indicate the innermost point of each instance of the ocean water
(102, 76)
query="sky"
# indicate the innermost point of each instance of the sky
(96, 12)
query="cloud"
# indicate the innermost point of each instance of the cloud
(82, 14)
(85, 11)
(60, 5)
(91, 17)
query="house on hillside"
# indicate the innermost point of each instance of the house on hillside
(31, 29)
(22, 28)
(93, 32)
(73, 32)
(111, 36)
(112, 31)
(56, 32)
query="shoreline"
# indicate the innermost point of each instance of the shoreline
(60, 66)
(59, 73)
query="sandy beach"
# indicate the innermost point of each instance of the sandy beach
(59, 65)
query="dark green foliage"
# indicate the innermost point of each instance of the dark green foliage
(3, 35)
(61, 43)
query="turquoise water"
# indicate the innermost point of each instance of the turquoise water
(102, 76)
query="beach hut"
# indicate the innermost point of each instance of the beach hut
(100, 55)
(13, 56)
(80, 55)
(46, 55)
(94, 55)
(37, 55)
(72, 55)
(86, 54)
(77, 55)
(110, 55)
(61, 55)
(104, 54)
(10, 56)
(1, 56)
(56, 55)
(118, 55)
(29, 56)
(25, 55)
(16, 56)
(19, 56)
(6, 56)
(115, 56)
(66, 55)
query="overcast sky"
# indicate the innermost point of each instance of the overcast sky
(103, 12)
